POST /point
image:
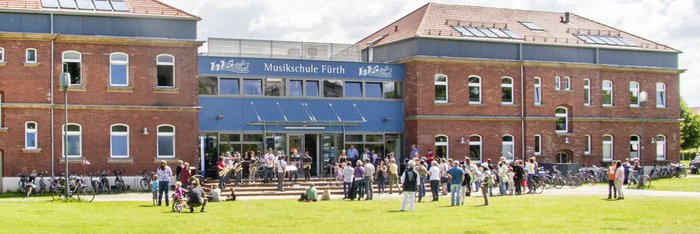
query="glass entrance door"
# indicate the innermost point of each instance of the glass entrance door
(311, 146)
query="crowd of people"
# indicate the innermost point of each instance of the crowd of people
(185, 183)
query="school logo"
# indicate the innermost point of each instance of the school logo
(376, 71)
(231, 66)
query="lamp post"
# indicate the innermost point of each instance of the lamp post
(642, 101)
(65, 82)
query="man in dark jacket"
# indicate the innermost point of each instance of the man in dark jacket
(409, 179)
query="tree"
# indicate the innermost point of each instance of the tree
(690, 128)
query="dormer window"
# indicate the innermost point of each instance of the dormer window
(531, 25)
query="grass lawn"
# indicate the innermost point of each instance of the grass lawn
(688, 184)
(529, 214)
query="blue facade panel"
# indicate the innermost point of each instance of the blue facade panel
(467, 49)
(638, 58)
(558, 54)
(25, 23)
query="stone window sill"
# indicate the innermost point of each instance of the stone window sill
(540, 105)
(3, 129)
(31, 151)
(475, 104)
(120, 160)
(2, 64)
(72, 160)
(167, 160)
(566, 91)
(76, 88)
(120, 89)
(442, 104)
(508, 104)
(31, 64)
(166, 90)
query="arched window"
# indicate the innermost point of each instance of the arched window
(506, 90)
(475, 148)
(587, 92)
(474, 90)
(557, 83)
(119, 141)
(538, 144)
(634, 94)
(442, 146)
(587, 145)
(538, 91)
(30, 56)
(166, 141)
(660, 95)
(441, 93)
(119, 69)
(660, 148)
(607, 93)
(562, 115)
(607, 148)
(165, 64)
(634, 147)
(74, 135)
(567, 83)
(508, 147)
(30, 135)
(2, 55)
(72, 63)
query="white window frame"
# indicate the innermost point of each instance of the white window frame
(565, 115)
(1, 126)
(512, 91)
(538, 144)
(612, 148)
(111, 144)
(479, 143)
(159, 63)
(612, 94)
(587, 92)
(557, 83)
(123, 63)
(661, 88)
(538, 91)
(2, 55)
(441, 83)
(661, 145)
(34, 131)
(632, 143)
(634, 91)
(72, 133)
(79, 60)
(511, 143)
(567, 83)
(446, 144)
(587, 144)
(478, 85)
(171, 134)
(26, 55)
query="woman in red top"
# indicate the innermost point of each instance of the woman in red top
(220, 167)
(185, 175)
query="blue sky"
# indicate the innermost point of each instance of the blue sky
(672, 22)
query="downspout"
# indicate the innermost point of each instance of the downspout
(53, 40)
(522, 102)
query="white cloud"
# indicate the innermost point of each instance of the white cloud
(675, 23)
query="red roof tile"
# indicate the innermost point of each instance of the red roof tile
(136, 8)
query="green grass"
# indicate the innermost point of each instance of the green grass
(529, 214)
(688, 184)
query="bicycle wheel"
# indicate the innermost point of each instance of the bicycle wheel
(145, 186)
(57, 193)
(590, 181)
(104, 187)
(647, 181)
(559, 183)
(86, 193)
(539, 187)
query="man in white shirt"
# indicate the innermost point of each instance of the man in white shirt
(280, 168)
(268, 161)
(348, 173)
(434, 173)
(369, 179)
(366, 155)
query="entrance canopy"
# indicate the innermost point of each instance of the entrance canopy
(306, 113)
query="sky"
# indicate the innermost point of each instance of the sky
(675, 23)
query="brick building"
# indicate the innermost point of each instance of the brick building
(491, 82)
(132, 99)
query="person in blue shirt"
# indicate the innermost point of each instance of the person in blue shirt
(456, 174)
(353, 154)
(154, 189)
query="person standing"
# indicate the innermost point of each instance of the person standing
(429, 158)
(414, 151)
(343, 157)
(382, 175)
(487, 181)
(455, 175)
(281, 167)
(294, 168)
(619, 179)
(409, 180)
(434, 173)
(443, 175)
(518, 177)
(220, 166)
(366, 155)
(358, 184)
(627, 167)
(307, 161)
(185, 175)
(422, 173)
(269, 160)
(352, 154)
(393, 176)
(164, 173)
(465, 184)
(503, 177)
(369, 179)
(348, 178)
(531, 169)
(178, 169)
(612, 191)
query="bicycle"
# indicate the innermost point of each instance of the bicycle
(179, 203)
(103, 182)
(678, 170)
(633, 181)
(75, 186)
(146, 179)
(119, 185)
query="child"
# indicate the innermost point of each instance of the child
(215, 193)
(232, 197)
(511, 178)
(154, 189)
(178, 191)
(338, 173)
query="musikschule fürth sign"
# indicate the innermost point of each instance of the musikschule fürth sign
(252, 66)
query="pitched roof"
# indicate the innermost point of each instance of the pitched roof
(147, 8)
(438, 20)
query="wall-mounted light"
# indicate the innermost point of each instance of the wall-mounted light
(144, 131)
(386, 119)
(653, 140)
(461, 140)
(219, 117)
(565, 140)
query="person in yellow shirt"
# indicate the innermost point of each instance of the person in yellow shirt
(393, 177)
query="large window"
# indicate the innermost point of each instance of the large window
(333, 88)
(373, 90)
(119, 141)
(587, 144)
(660, 147)
(538, 91)
(441, 92)
(506, 90)
(165, 64)
(607, 93)
(660, 95)
(557, 83)
(252, 87)
(508, 147)
(442, 146)
(634, 94)
(562, 115)
(538, 144)
(166, 141)
(229, 86)
(30, 56)
(567, 83)
(607, 148)
(296, 88)
(208, 85)
(274, 87)
(74, 147)
(634, 147)
(353, 89)
(119, 69)
(30, 135)
(587, 92)
(312, 88)
(475, 148)
(474, 90)
(392, 90)
(72, 61)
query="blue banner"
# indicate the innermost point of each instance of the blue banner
(235, 66)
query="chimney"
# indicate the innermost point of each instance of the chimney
(567, 17)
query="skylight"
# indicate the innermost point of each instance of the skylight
(49, 3)
(103, 5)
(87, 5)
(468, 31)
(119, 5)
(532, 26)
(605, 40)
(67, 4)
